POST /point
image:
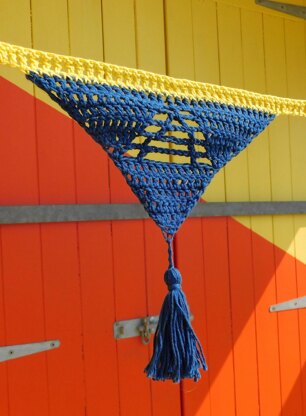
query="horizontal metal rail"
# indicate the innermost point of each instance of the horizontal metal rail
(23, 214)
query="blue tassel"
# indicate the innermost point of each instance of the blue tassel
(177, 350)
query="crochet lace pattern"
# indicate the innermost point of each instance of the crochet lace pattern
(168, 137)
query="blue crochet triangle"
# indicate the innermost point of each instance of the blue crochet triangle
(137, 129)
(168, 191)
(134, 126)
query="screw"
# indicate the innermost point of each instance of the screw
(120, 331)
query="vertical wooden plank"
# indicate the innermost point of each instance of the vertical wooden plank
(95, 241)
(237, 189)
(59, 241)
(207, 68)
(150, 41)
(23, 287)
(4, 398)
(296, 75)
(220, 337)
(21, 253)
(283, 226)
(214, 234)
(96, 270)
(180, 63)
(15, 28)
(129, 264)
(263, 254)
(189, 247)
(21, 279)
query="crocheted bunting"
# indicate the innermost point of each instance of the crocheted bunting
(169, 138)
(137, 129)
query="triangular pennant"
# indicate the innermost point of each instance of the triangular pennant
(133, 127)
(169, 138)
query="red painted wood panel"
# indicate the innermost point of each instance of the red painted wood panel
(129, 236)
(60, 262)
(189, 259)
(243, 319)
(97, 285)
(288, 326)
(218, 316)
(4, 400)
(266, 326)
(166, 395)
(21, 251)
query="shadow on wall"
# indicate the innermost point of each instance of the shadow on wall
(254, 357)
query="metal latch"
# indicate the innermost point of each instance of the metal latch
(142, 327)
(292, 9)
(16, 351)
(297, 303)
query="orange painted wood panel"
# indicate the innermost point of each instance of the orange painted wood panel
(150, 36)
(60, 252)
(189, 260)
(24, 315)
(165, 396)
(283, 226)
(218, 316)
(4, 399)
(95, 251)
(266, 326)
(296, 70)
(60, 263)
(21, 250)
(243, 320)
(128, 237)
(240, 260)
(98, 316)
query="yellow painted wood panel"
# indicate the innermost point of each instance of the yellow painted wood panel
(260, 189)
(207, 68)
(16, 28)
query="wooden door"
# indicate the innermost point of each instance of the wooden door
(72, 281)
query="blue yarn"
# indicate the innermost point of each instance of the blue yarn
(205, 134)
(177, 351)
(115, 117)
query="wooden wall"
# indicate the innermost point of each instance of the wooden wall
(72, 281)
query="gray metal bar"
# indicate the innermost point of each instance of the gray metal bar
(297, 303)
(23, 214)
(292, 9)
(16, 351)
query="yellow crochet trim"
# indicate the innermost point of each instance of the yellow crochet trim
(30, 60)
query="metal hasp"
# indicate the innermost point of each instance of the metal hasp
(143, 327)
(292, 9)
(298, 303)
(16, 351)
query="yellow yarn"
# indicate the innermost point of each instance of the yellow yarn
(30, 60)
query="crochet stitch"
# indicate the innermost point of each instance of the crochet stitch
(169, 138)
